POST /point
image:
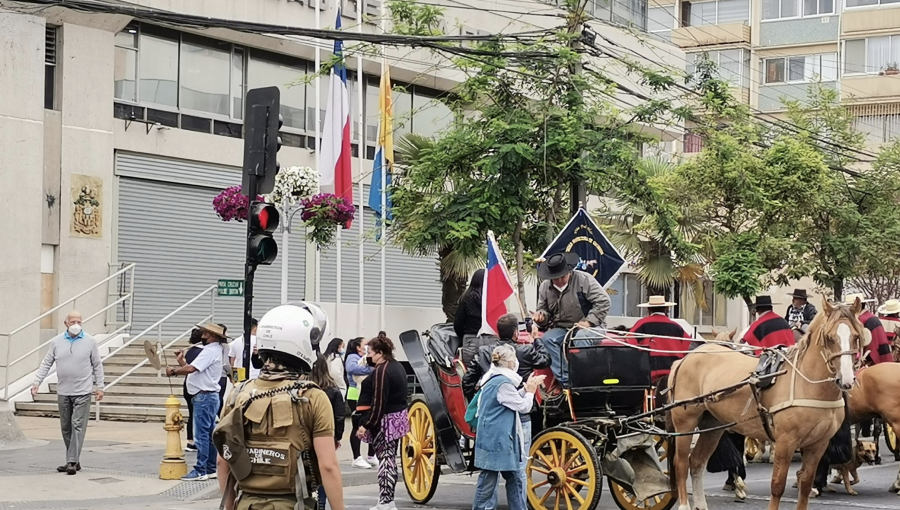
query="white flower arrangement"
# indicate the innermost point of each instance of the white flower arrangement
(295, 183)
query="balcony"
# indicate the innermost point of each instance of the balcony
(870, 86)
(863, 21)
(709, 35)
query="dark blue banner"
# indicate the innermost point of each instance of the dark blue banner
(598, 256)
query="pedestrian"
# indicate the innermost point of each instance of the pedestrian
(356, 369)
(236, 353)
(279, 415)
(321, 375)
(203, 376)
(500, 441)
(382, 403)
(196, 345)
(334, 357)
(467, 321)
(567, 299)
(226, 366)
(79, 372)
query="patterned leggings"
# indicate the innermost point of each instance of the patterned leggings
(387, 467)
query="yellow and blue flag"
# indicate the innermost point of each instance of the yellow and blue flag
(384, 155)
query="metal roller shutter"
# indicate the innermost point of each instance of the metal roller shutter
(181, 247)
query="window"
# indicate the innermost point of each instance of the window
(625, 294)
(872, 55)
(125, 64)
(430, 115)
(623, 12)
(402, 105)
(692, 143)
(206, 76)
(660, 21)
(784, 9)
(733, 65)
(50, 67)
(878, 128)
(800, 69)
(697, 14)
(158, 61)
(711, 312)
(866, 3)
(267, 73)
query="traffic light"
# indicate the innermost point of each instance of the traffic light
(273, 145)
(261, 247)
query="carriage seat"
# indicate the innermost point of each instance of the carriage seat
(443, 343)
(613, 377)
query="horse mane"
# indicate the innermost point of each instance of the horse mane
(823, 323)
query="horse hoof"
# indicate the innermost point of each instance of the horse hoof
(894, 488)
(852, 492)
(814, 492)
(795, 485)
(728, 488)
(836, 479)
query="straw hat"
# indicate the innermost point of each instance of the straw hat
(850, 298)
(656, 301)
(891, 306)
(213, 328)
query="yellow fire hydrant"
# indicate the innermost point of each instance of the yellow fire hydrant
(173, 466)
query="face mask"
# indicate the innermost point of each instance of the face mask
(561, 288)
(341, 352)
(515, 367)
(369, 361)
(75, 330)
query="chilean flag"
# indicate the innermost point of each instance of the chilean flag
(334, 159)
(496, 289)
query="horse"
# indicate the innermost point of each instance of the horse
(877, 393)
(801, 409)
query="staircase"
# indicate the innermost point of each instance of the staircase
(140, 396)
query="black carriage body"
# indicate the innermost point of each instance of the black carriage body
(607, 380)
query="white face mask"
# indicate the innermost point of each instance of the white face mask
(515, 367)
(74, 329)
(564, 287)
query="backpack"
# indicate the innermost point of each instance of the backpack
(472, 408)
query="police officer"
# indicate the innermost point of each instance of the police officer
(276, 434)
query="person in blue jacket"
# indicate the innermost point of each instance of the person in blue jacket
(356, 370)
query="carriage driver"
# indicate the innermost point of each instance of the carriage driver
(567, 298)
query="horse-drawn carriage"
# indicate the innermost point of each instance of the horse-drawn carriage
(601, 425)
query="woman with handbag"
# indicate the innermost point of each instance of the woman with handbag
(356, 371)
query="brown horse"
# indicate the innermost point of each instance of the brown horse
(803, 408)
(877, 393)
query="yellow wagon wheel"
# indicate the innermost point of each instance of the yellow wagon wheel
(626, 500)
(563, 472)
(751, 448)
(890, 437)
(419, 454)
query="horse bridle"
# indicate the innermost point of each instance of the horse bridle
(831, 356)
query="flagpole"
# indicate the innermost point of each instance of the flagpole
(360, 82)
(285, 236)
(381, 162)
(318, 265)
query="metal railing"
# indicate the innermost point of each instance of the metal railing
(211, 290)
(126, 274)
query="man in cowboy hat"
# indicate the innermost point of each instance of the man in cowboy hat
(890, 319)
(879, 348)
(566, 299)
(661, 334)
(769, 329)
(801, 311)
(203, 376)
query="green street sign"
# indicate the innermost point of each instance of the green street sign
(231, 288)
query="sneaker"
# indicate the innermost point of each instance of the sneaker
(380, 506)
(213, 475)
(361, 463)
(194, 476)
(191, 447)
(373, 461)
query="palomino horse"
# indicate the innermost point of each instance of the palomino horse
(877, 394)
(802, 409)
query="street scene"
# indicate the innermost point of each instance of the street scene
(450, 254)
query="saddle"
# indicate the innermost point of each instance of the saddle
(769, 364)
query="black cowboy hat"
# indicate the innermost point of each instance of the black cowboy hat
(764, 301)
(558, 265)
(799, 293)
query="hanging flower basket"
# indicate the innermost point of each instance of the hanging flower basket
(294, 183)
(231, 204)
(323, 213)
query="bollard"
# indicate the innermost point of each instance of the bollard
(173, 466)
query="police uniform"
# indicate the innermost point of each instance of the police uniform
(266, 435)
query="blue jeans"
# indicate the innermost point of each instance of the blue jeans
(520, 474)
(486, 490)
(322, 498)
(205, 407)
(553, 340)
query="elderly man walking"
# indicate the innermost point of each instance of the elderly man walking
(79, 373)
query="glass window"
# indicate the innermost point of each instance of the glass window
(633, 289)
(263, 73)
(702, 13)
(829, 67)
(660, 19)
(127, 38)
(775, 70)
(770, 9)
(373, 112)
(860, 3)
(616, 293)
(125, 74)
(733, 11)
(730, 66)
(159, 70)
(430, 116)
(206, 78)
(790, 8)
(855, 56)
(237, 84)
(796, 68)
(687, 306)
(878, 53)
(402, 111)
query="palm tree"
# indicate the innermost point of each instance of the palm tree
(634, 231)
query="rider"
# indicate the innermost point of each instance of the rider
(769, 329)
(276, 433)
(566, 299)
(801, 311)
(666, 348)
(890, 319)
(879, 348)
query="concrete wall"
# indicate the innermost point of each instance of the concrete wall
(799, 31)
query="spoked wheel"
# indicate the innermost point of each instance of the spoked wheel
(563, 473)
(626, 500)
(419, 454)
(890, 437)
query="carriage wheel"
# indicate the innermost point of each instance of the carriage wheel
(890, 437)
(563, 472)
(626, 500)
(751, 448)
(419, 454)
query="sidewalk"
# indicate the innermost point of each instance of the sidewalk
(120, 464)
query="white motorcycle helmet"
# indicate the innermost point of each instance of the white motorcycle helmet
(320, 319)
(288, 329)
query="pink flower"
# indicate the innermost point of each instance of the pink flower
(231, 204)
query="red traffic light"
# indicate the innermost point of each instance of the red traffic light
(264, 217)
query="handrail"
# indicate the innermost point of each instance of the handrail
(131, 370)
(127, 268)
